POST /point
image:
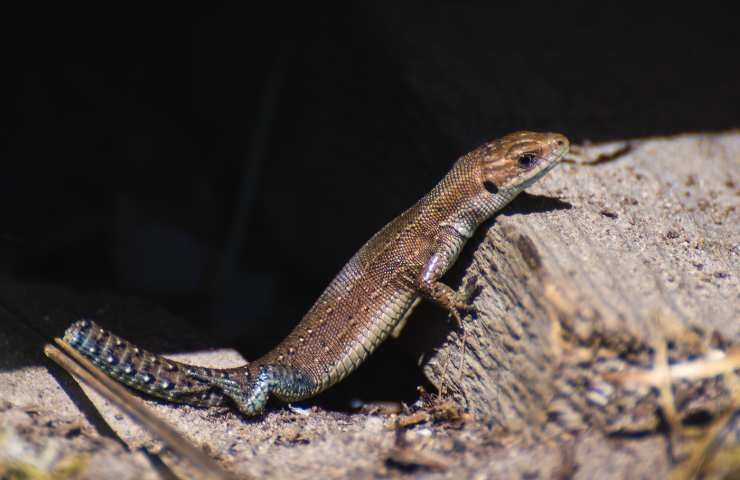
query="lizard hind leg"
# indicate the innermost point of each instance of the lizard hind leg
(250, 395)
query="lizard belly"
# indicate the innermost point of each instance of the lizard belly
(369, 335)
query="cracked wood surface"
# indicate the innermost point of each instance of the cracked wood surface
(641, 247)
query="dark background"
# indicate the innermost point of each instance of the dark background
(225, 161)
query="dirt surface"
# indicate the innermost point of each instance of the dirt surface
(624, 267)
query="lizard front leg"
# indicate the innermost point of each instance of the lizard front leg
(447, 247)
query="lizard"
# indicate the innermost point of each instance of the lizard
(368, 300)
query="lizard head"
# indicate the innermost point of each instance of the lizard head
(514, 162)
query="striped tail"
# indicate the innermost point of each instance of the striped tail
(142, 370)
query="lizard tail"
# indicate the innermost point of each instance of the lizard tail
(143, 370)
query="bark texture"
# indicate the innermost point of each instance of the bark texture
(635, 249)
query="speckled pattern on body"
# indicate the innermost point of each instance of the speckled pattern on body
(366, 301)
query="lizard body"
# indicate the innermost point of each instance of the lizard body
(368, 299)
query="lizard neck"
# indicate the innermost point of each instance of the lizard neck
(463, 203)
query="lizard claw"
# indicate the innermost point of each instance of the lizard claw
(459, 309)
(461, 302)
(299, 410)
(463, 306)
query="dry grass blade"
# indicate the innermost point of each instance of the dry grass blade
(700, 457)
(661, 377)
(707, 367)
(691, 467)
(74, 363)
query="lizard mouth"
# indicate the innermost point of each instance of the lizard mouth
(553, 162)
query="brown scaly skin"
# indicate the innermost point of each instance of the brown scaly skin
(369, 298)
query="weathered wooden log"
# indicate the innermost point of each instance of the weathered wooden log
(605, 262)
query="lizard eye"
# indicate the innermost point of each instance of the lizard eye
(490, 187)
(527, 160)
